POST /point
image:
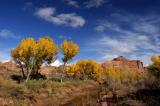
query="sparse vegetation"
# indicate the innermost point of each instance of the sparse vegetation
(43, 90)
(80, 78)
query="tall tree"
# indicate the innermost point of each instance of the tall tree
(31, 54)
(69, 50)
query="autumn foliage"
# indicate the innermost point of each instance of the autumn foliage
(69, 50)
(31, 54)
(85, 70)
(154, 69)
(121, 75)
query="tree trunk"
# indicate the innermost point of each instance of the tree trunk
(23, 75)
(61, 78)
(28, 75)
(63, 71)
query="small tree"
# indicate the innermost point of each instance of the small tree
(69, 50)
(31, 54)
(84, 70)
(154, 69)
(89, 69)
(155, 59)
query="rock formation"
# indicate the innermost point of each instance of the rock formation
(10, 65)
(48, 70)
(121, 62)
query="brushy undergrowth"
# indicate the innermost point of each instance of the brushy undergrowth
(45, 90)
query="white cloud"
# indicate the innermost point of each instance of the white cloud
(140, 24)
(68, 19)
(73, 3)
(145, 27)
(94, 3)
(138, 41)
(45, 12)
(56, 63)
(116, 45)
(5, 33)
(127, 44)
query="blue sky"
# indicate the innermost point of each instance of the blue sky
(103, 29)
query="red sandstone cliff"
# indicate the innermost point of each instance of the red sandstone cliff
(121, 62)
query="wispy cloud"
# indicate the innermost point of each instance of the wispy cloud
(5, 33)
(94, 3)
(132, 36)
(68, 19)
(131, 46)
(72, 3)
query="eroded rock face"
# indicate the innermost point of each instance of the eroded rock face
(1, 66)
(48, 70)
(10, 65)
(121, 62)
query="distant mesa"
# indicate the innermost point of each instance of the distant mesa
(122, 62)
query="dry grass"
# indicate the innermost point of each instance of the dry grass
(38, 92)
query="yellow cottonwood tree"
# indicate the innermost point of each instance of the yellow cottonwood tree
(155, 59)
(72, 71)
(69, 50)
(89, 69)
(154, 69)
(31, 54)
(85, 69)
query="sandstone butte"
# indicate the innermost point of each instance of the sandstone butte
(122, 62)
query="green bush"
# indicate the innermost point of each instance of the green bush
(36, 85)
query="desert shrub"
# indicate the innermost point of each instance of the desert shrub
(36, 85)
(154, 69)
(58, 77)
(19, 92)
(9, 88)
(153, 81)
(120, 79)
